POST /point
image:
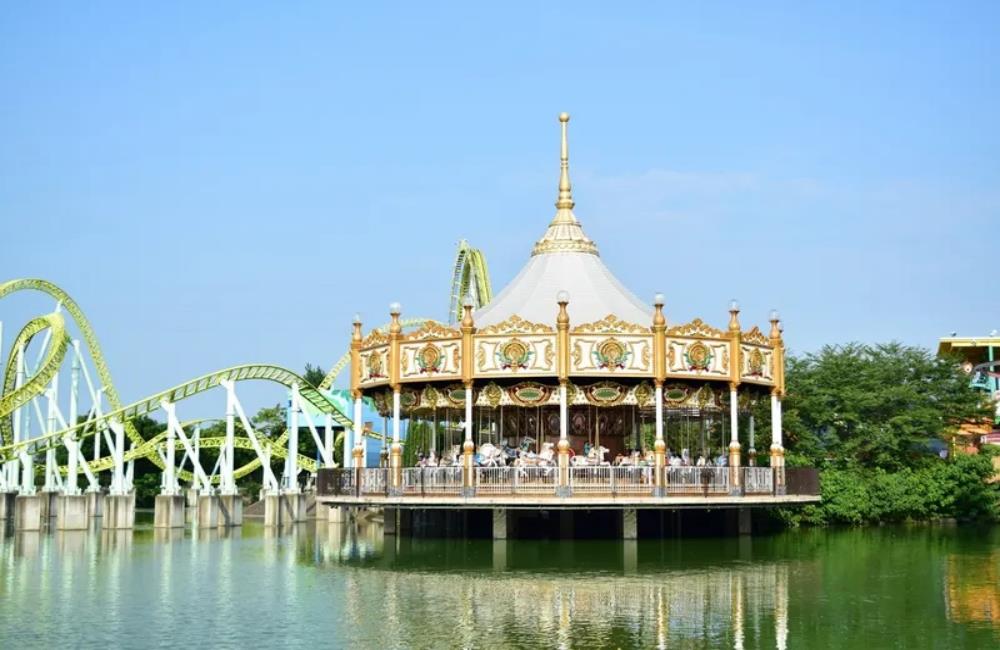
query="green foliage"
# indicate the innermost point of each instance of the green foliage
(314, 374)
(875, 406)
(418, 440)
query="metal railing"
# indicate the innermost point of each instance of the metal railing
(494, 480)
(535, 480)
(697, 480)
(758, 480)
(631, 480)
(374, 481)
(591, 480)
(432, 480)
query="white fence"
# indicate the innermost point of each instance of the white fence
(632, 480)
(494, 480)
(758, 480)
(535, 480)
(432, 480)
(590, 480)
(697, 480)
(374, 480)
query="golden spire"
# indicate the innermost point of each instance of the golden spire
(564, 233)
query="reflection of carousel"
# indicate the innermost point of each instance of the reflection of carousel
(567, 367)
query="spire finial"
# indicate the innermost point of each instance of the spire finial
(565, 188)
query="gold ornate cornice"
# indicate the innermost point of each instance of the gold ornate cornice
(516, 325)
(697, 328)
(431, 329)
(755, 337)
(611, 324)
(375, 337)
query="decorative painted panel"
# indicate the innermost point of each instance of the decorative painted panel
(515, 355)
(698, 358)
(757, 364)
(435, 359)
(375, 365)
(599, 354)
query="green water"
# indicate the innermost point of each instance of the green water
(343, 586)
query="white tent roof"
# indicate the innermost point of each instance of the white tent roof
(564, 259)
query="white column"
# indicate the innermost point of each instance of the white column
(227, 482)
(359, 426)
(395, 417)
(563, 413)
(753, 449)
(776, 421)
(734, 418)
(468, 413)
(170, 483)
(293, 443)
(328, 438)
(74, 406)
(659, 412)
(118, 454)
(18, 382)
(50, 427)
(196, 483)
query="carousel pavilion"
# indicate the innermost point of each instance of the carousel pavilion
(565, 360)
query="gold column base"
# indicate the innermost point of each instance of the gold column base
(659, 469)
(468, 471)
(358, 453)
(562, 447)
(396, 465)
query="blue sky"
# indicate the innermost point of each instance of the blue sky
(230, 183)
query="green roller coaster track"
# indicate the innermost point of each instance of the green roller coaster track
(470, 277)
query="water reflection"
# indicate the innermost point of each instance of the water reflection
(349, 585)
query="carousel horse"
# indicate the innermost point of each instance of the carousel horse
(595, 456)
(491, 456)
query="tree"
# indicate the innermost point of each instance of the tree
(314, 375)
(875, 405)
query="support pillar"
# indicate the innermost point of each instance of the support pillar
(499, 523)
(230, 510)
(735, 473)
(390, 518)
(563, 489)
(752, 452)
(396, 449)
(468, 449)
(71, 512)
(208, 511)
(28, 512)
(7, 507)
(659, 448)
(168, 511)
(48, 501)
(777, 450)
(119, 512)
(630, 529)
(95, 503)
(745, 522)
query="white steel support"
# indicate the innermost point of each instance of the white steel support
(174, 428)
(26, 463)
(118, 483)
(321, 444)
(328, 439)
(72, 445)
(195, 454)
(270, 482)
(52, 482)
(169, 480)
(130, 471)
(359, 430)
(227, 484)
(293, 444)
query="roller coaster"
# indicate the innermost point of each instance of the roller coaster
(98, 412)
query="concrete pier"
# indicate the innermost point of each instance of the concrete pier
(168, 511)
(95, 503)
(28, 512)
(499, 523)
(7, 506)
(119, 512)
(630, 521)
(48, 504)
(230, 510)
(191, 497)
(336, 515)
(389, 520)
(71, 512)
(208, 511)
(284, 509)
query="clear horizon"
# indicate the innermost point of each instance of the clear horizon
(228, 184)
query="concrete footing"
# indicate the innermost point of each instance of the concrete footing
(71, 512)
(390, 521)
(191, 497)
(48, 503)
(168, 511)
(630, 528)
(745, 523)
(208, 511)
(284, 509)
(336, 514)
(7, 506)
(95, 504)
(499, 523)
(119, 512)
(230, 510)
(28, 512)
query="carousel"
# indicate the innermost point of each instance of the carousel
(566, 368)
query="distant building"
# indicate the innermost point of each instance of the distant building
(980, 359)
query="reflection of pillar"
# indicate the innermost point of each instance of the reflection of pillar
(781, 608)
(630, 556)
(499, 553)
(736, 589)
